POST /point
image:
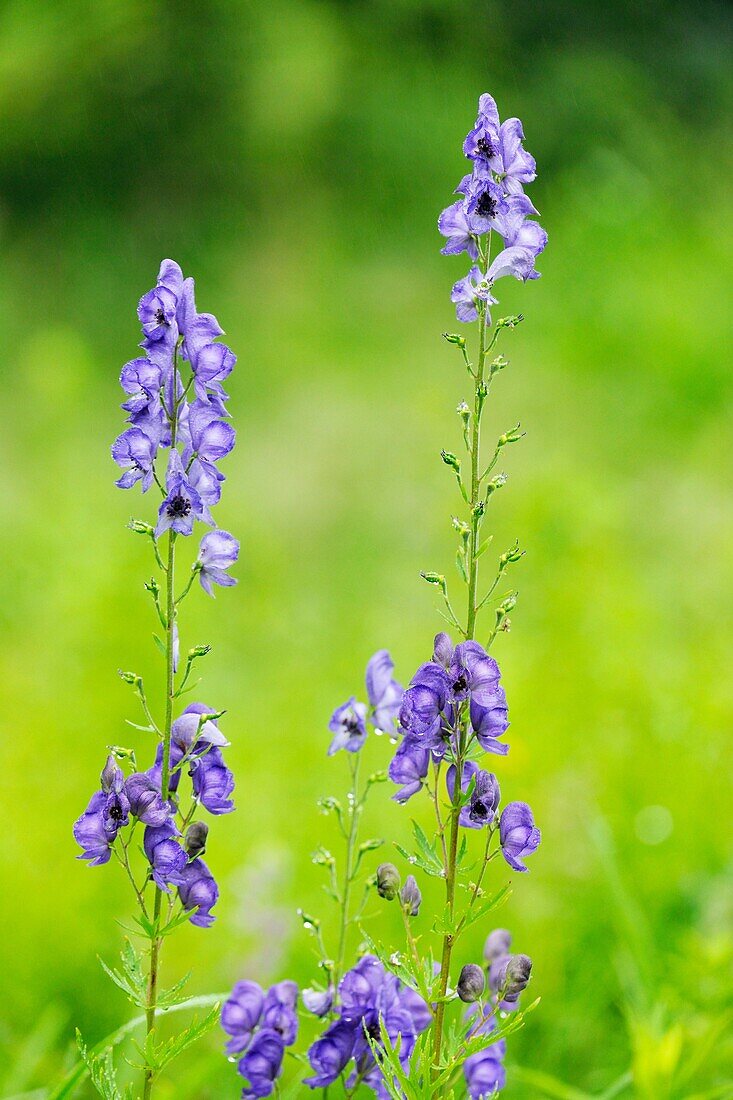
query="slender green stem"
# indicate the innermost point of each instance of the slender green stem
(356, 807)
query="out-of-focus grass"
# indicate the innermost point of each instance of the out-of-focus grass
(295, 162)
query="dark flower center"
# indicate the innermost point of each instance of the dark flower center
(484, 146)
(160, 316)
(351, 723)
(115, 812)
(460, 684)
(178, 506)
(479, 809)
(486, 205)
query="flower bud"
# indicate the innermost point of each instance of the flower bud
(510, 322)
(198, 651)
(388, 881)
(196, 834)
(110, 771)
(498, 364)
(518, 971)
(465, 413)
(131, 678)
(141, 528)
(512, 436)
(497, 481)
(471, 983)
(410, 896)
(450, 460)
(453, 338)
(318, 1001)
(497, 943)
(511, 555)
(434, 578)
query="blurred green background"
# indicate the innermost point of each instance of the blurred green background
(293, 156)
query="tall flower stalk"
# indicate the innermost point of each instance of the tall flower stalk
(175, 402)
(390, 1020)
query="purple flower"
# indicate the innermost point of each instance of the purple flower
(155, 773)
(424, 702)
(410, 896)
(218, 551)
(330, 1054)
(141, 380)
(476, 287)
(461, 229)
(241, 1014)
(182, 504)
(518, 834)
(497, 944)
(482, 142)
(166, 856)
(262, 1064)
(157, 313)
(107, 812)
(484, 200)
(198, 891)
(491, 722)
(146, 803)
(517, 167)
(318, 1001)
(212, 781)
(409, 767)
(384, 693)
(513, 226)
(214, 363)
(193, 728)
(481, 807)
(508, 977)
(135, 452)
(348, 726)
(485, 1074)
(209, 438)
(279, 1013)
(469, 290)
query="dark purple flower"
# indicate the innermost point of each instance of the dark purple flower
(166, 856)
(410, 896)
(384, 693)
(107, 812)
(182, 504)
(424, 702)
(481, 807)
(198, 890)
(146, 803)
(485, 1074)
(471, 983)
(280, 1011)
(157, 313)
(348, 726)
(508, 977)
(219, 550)
(518, 834)
(241, 1014)
(262, 1064)
(330, 1054)
(412, 1002)
(482, 142)
(409, 767)
(155, 773)
(491, 722)
(318, 1001)
(212, 781)
(192, 728)
(135, 452)
(517, 167)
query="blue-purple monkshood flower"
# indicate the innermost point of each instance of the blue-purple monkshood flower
(260, 1028)
(518, 834)
(198, 892)
(146, 803)
(348, 725)
(141, 380)
(484, 1071)
(193, 728)
(517, 165)
(241, 1014)
(476, 287)
(461, 228)
(422, 713)
(208, 438)
(182, 505)
(107, 812)
(212, 781)
(485, 796)
(318, 1001)
(369, 996)
(157, 313)
(214, 363)
(482, 142)
(383, 691)
(514, 226)
(166, 857)
(134, 452)
(409, 766)
(218, 551)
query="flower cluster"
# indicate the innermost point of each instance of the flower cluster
(260, 1025)
(197, 433)
(493, 201)
(370, 998)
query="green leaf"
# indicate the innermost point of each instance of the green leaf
(131, 979)
(428, 850)
(461, 564)
(481, 908)
(171, 996)
(418, 861)
(102, 1071)
(160, 1056)
(161, 645)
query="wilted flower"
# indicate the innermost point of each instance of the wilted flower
(196, 836)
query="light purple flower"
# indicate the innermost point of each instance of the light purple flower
(518, 834)
(476, 287)
(157, 313)
(424, 702)
(241, 1014)
(141, 380)
(384, 693)
(182, 504)
(318, 1001)
(461, 229)
(517, 166)
(209, 439)
(219, 550)
(190, 729)
(135, 452)
(214, 363)
(482, 142)
(348, 726)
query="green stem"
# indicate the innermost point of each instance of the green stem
(356, 806)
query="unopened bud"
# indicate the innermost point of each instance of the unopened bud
(109, 774)
(497, 943)
(498, 364)
(199, 651)
(450, 460)
(453, 338)
(434, 578)
(141, 528)
(518, 972)
(131, 678)
(496, 482)
(388, 881)
(512, 436)
(510, 322)
(196, 835)
(471, 983)
(410, 896)
(511, 555)
(506, 606)
(464, 412)
(461, 527)
(152, 586)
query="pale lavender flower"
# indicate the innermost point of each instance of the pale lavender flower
(348, 724)
(383, 691)
(219, 550)
(135, 452)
